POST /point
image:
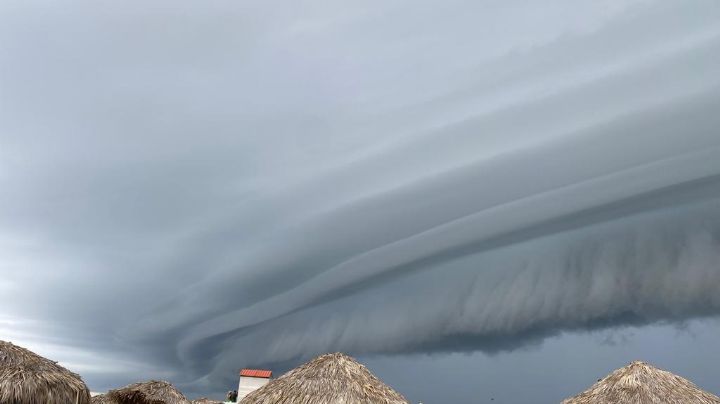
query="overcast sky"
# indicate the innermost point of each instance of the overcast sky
(479, 199)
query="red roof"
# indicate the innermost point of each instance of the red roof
(266, 374)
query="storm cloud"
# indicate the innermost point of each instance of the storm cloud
(188, 188)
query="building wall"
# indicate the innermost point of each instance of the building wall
(249, 384)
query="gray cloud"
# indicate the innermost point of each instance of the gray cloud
(188, 189)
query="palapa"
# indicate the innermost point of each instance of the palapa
(327, 379)
(641, 383)
(151, 392)
(28, 378)
(205, 400)
(102, 399)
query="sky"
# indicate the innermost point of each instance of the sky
(480, 200)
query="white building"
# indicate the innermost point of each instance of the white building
(251, 380)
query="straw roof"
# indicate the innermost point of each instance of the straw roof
(102, 399)
(205, 400)
(640, 383)
(327, 379)
(27, 378)
(152, 392)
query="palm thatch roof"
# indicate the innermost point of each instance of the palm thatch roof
(102, 399)
(205, 400)
(152, 392)
(327, 379)
(641, 383)
(27, 378)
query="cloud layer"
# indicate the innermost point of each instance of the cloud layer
(191, 189)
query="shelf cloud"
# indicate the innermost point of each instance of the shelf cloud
(188, 189)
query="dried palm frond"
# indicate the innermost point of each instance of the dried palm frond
(151, 392)
(641, 383)
(205, 400)
(27, 378)
(327, 379)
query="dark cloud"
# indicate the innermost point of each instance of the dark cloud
(190, 188)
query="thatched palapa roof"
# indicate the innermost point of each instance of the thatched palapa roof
(640, 383)
(205, 400)
(102, 399)
(152, 392)
(27, 378)
(327, 379)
